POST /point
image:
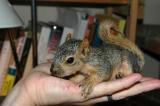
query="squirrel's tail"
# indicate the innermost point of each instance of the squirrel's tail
(106, 35)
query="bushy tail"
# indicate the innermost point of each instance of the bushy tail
(106, 35)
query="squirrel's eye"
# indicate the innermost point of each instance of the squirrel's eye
(70, 60)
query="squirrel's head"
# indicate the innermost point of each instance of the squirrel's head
(69, 58)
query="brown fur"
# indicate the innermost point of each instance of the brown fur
(106, 35)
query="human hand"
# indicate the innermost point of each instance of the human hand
(42, 89)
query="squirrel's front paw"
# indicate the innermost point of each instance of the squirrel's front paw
(86, 86)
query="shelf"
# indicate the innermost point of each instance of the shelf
(87, 1)
(123, 11)
(76, 2)
(131, 18)
(1, 99)
(152, 53)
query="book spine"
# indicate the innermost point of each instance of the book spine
(81, 30)
(53, 42)
(90, 28)
(20, 44)
(6, 54)
(9, 81)
(121, 26)
(26, 48)
(29, 63)
(82, 26)
(97, 41)
(43, 43)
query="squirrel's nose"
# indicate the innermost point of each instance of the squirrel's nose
(54, 70)
(54, 73)
(51, 69)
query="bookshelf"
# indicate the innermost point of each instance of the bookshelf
(132, 16)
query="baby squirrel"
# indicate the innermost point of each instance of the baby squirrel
(119, 58)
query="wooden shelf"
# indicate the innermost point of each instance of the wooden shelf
(88, 1)
(1, 99)
(123, 11)
(73, 1)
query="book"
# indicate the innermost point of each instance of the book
(29, 63)
(5, 57)
(81, 26)
(21, 43)
(80, 22)
(26, 48)
(1, 39)
(43, 43)
(4, 88)
(53, 41)
(97, 42)
(8, 81)
(90, 30)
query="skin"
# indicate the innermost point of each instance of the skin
(39, 88)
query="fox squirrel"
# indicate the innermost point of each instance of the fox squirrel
(77, 58)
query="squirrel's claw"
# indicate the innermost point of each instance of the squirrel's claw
(86, 86)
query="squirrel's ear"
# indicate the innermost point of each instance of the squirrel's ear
(84, 47)
(69, 37)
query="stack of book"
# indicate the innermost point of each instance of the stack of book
(8, 71)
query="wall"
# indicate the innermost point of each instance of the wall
(151, 14)
(151, 67)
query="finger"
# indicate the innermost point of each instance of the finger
(146, 79)
(144, 86)
(45, 67)
(93, 101)
(110, 87)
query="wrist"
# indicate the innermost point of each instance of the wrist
(18, 97)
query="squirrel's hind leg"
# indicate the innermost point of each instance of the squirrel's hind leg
(121, 70)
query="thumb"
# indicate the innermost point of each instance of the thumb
(45, 89)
